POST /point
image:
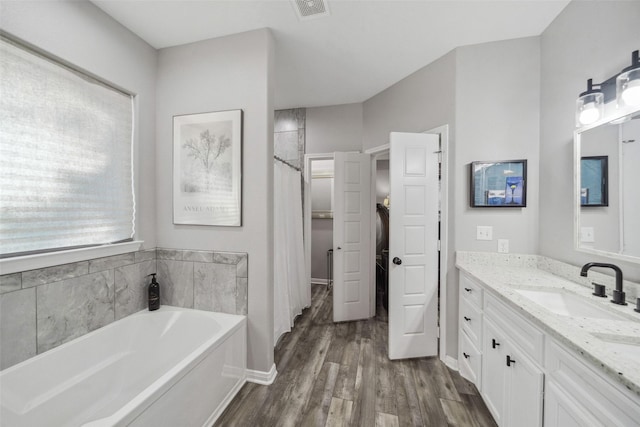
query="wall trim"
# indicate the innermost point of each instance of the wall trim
(262, 377)
(451, 363)
(316, 281)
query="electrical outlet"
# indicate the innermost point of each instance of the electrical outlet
(484, 232)
(503, 246)
(587, 235)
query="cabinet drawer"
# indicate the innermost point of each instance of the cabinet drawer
(610, 404)
(470, 291)
(471, 321)
(521, 333)
(470, 360)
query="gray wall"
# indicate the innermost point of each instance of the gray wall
(334, 128)
(587, 40)
(233, 72)
(497, 118)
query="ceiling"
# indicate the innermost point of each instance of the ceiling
(363, 47)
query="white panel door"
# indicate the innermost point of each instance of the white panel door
(413, 245)
(351, 252)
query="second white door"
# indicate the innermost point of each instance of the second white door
(413, 245)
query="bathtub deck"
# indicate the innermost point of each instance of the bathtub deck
(339, 374)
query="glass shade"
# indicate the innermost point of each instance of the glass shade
(628, 88)
(589, 108)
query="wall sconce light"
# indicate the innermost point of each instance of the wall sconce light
(624, 86)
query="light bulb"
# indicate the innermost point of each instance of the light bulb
(631, 93)
(589, 114)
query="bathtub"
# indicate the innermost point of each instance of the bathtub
(171, 367)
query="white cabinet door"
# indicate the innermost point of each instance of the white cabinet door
(493, 370)
(413, 246)
(560, 410)
(523, 392)
(351, 233)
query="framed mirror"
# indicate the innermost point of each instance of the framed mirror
(498, 184)
(607, 188)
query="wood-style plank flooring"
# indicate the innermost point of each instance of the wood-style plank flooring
(338, 374)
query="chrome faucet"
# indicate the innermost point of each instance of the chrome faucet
(618, 295)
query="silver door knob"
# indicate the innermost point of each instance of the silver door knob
(339, 248)
(397, 261)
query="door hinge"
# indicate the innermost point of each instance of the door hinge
(439, 245)
(438, 333)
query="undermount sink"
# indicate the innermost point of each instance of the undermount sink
(566, 304)
(625, 346)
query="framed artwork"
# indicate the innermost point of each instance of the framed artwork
(499, 184)
(594, 183)
(207, 168)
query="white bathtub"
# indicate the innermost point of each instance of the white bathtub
(171, 367)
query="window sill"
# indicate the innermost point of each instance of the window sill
(31, 262)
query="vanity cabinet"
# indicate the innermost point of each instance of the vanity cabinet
(470, 336)
(512, 382)
(526, 377)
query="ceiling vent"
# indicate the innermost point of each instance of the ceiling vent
(310, 9)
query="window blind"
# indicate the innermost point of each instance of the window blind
(66, 176)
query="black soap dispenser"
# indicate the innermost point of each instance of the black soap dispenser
(154, 293)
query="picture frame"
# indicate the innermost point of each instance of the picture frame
(594, 181)
(498, 184)
(207, 169)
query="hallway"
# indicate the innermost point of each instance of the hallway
(339, 374)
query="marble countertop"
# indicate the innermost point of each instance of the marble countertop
(579, 334)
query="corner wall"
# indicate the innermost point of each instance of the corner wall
(234, 72)
(587, 40)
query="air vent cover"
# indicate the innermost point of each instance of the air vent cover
(310, 9)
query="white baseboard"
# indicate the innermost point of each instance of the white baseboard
(319, 281)
(262, 377)
(451, 362)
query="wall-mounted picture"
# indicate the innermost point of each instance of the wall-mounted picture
(207, 168)
(594, 181)
(499, 184)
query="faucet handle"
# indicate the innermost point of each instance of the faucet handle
(599, 290)
(618, 297)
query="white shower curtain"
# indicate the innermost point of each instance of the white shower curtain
(291, 292)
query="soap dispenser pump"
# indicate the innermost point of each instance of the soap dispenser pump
(154, 293)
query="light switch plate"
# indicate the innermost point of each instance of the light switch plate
(587, 235)
(503, 246)
(484, 232)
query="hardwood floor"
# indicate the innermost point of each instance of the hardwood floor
(339, 375)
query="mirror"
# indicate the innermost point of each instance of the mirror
(607, 190)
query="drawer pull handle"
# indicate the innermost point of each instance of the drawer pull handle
(494, 343)
(467, 289)
(510, 360)
(466, 356)
(467, 318)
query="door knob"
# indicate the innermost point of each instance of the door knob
(397, 261)
(339, 248)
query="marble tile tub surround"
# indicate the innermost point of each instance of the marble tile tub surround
(204, 280)
(41, 309)
(503, 274)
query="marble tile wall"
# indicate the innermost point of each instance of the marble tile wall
(204, 280)
(41, 309)
(289, 135)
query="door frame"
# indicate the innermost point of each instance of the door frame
(308, 159)
(381, 150)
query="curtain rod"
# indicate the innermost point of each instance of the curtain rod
(287, 163)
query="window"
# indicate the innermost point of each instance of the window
(66, 176)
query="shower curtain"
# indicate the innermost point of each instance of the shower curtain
(291, 292)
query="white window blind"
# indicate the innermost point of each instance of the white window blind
(66, 175)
